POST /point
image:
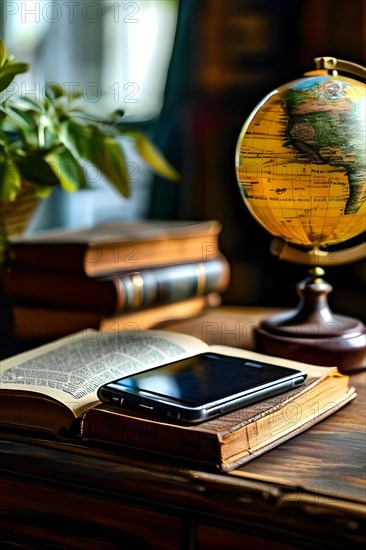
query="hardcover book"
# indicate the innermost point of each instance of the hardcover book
(53, 389)
(111, 247)
(44, 324)
(228, 441)
(118, 293)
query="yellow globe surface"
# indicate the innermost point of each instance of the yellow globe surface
(300, 161)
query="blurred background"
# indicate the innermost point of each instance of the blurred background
(189, 72)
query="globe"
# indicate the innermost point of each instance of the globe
(301, 170)
(300, 160)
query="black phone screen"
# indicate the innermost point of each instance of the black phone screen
(204, 379)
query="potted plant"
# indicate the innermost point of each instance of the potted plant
(45, 143)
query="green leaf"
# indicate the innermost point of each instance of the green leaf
(23, 118)
(3, 146)
(42, 192)
(9, 72)
(9, 67)
(75, 137)
(5, 81)
(54, 91)
(35, 169)
(10, 181)
(23, 124)
(153, 157)
(24, 101)
(67, 170)
(3, 54)
(88, 143)
(13, 68)
(51, 139)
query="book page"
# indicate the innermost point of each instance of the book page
(73, 368)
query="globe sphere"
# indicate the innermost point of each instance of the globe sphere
(300, 161)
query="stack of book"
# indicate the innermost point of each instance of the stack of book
(113, 276)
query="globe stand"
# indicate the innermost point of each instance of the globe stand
(312, 333)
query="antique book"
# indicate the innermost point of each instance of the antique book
(46, 324)
(111, 247)
(231, 440)
(121, 292)
(53, 389)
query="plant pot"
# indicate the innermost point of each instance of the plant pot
(16, 215)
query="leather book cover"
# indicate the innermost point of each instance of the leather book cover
(117, 293)
(111, 247)
(229, 440)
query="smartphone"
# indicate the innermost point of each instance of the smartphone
(200, 387)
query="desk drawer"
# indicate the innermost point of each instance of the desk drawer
(42, 517)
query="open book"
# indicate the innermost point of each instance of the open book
(49, 387)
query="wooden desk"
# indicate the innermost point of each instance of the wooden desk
(308, 493)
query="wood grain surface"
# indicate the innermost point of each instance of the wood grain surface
(308, 493)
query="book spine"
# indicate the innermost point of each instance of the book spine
(105, 425)
(44, 324)
(122, 293)
(147, 288)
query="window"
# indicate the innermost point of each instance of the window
(115, 52)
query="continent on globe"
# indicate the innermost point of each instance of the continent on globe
(325, 125)
(300, 161)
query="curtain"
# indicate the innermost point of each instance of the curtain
(169, 130)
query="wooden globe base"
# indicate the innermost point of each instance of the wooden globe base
(312, 333)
